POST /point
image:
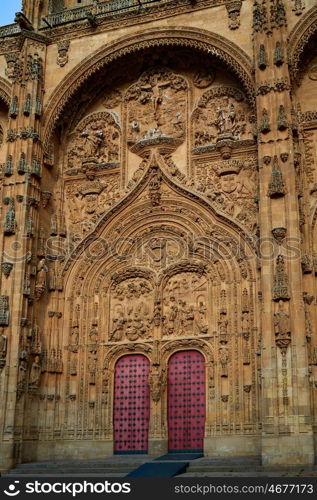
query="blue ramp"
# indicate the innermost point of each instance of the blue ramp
(157, 469)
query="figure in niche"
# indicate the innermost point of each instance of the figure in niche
(3, 344)
(202, 318)
(3, 349)
(172, 317)
(224, 358)
(182, 317)
(75, 325)
(21, 377)
(245, 323)
(223, 327)
(157, 382)
(282, 327)
(92, 365)
(282, 322)
(220, 121)
(35, 374)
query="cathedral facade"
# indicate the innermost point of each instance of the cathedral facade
(158, 229)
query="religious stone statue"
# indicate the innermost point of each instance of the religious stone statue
(157, 380)
(35, 373)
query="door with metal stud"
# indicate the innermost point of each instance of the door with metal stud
(186, 401)
(131, 404)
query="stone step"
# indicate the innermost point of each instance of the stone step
(81, 467)
(118, 466)
(73, 470)
(226, 464)
(84, 475)
(281, 473)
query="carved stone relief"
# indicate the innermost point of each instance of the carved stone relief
(222, 113)
(132, 311)
(232, 186)
(88, 198)
(95, 144)
(185, 305)
(156, 107)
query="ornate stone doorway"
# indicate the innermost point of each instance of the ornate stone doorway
(186, 401)
(131, 404)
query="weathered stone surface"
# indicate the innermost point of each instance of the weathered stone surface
(159, 193)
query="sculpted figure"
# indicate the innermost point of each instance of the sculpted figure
(172, 317)
(132, 332)
(3, 345)
(117, 329)
(245, 323)
(157, 380)
(42, 270)
(35, 373)
(224, 358)
(202, 318)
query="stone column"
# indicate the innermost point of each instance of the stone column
(21, 196)
(287, 430)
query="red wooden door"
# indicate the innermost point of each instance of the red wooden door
(131, 404)
(186, 401)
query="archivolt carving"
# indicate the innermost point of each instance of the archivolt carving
(117, 352)
(5, 91)
(202, 40)
(131, 272)
(299, 38)
(169, 348)
(133, 216)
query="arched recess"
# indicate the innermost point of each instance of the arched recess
(5, 93)
(204, 41)
(118, 298)
(300, 38)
